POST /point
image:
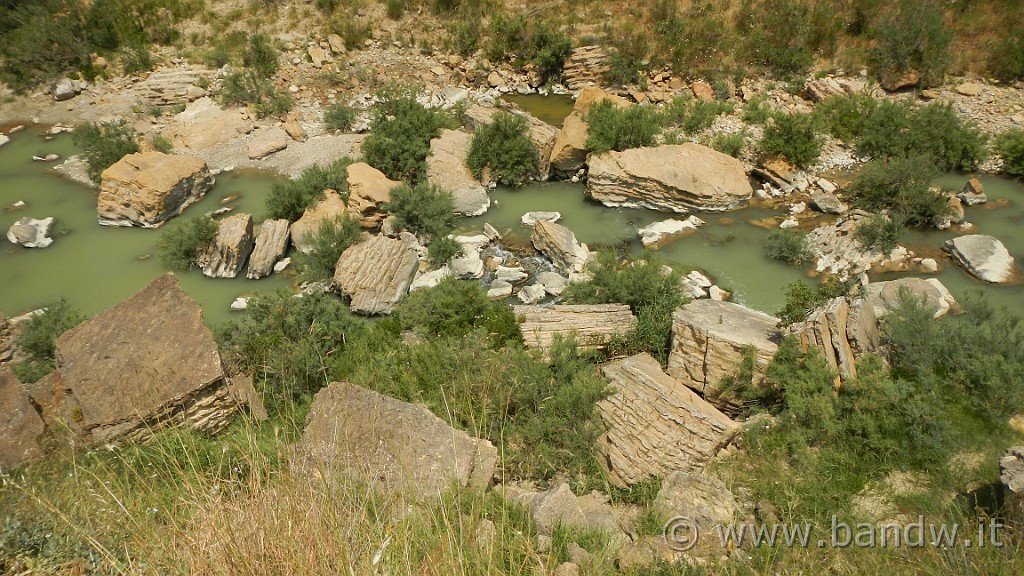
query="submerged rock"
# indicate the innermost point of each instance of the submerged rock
(654, 424)
(148, 188)
(983, 256)
(675, 178)
(657, 233)
(31, 233)
(144, 363)
(394, 445)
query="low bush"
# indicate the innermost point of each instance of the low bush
(911, 37)
(423, 209)
(290, 199)
(934, 132)
(394, 8)
(793, 137)
(504, 147)
(630, 49)
(902, 187)
(184, 240)
(401, 130)
(260, 55)
(789, 246)
(331, 238)
(614, 128)
(1010, 145)
(247, 88)
(844, 116)
(802, 299)
(456, 308)
(162, 143)
(37, 339)
(695, 39)
(532, 41)
(650, 294)
(339, 116)
(757, 111)
(442, 249)
(731, 144)
(777, 35)
(693, 115)
(880, 233)
(1007, 60)
(104, 144)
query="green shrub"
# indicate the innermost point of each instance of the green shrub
(289, 200)
(456, 308)
(184, 241)
(880, 233)
(844, 116)
(1007, 60)
(162, 143)
(630, 48)
(757, 111)
(1010, 145)
(693, 40)
(911, 37)
(614, 128)
(260, 55)
(423, 209)
(504, 147)
(731, 144)
(651, 295)
(465, 35)
(901, 186)
(933, 131)
(104, 144)
(37, 339)
(523, 40)
(136, 59)
(246, 87)
(442, 249)
(776, 35)
(339, 116)
(401, 130)
(352, 29)
(802, 299)
(43, 42)
(789, 246)
(793, 137)
(692, 115)
(331, 238)
(394, 8)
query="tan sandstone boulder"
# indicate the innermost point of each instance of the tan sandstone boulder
(148, 188)
(368, 191)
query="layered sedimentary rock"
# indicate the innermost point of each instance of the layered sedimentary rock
(886, 296)
(20, 424)
(368, 190)
(230, 248)
(148, 188)
(394, 445)
(559, 244)
(592, 325)
(376, 273)
(585, 65)
(983, 256)
(569, 149)
(656, 425)
(143, 363)
(709, 340)
(446, 168)
(841, 330)
(675, 178)
(271, 245)
(328, 208)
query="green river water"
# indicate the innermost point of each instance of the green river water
(94, 267)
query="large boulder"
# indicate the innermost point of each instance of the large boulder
(592, 325)
(144, 363)
(148, 188)
(368, 190)
(31, 233)
(20, 425)
(886, 296)
(328, 208)
(709, 340)
(569, 149)
(271, 245)
(204, 125)
(540, 133)
(841, 330)
(267, 142)
(230, 248)
(697, 505)
(655, 425)
(559, 244)
(983, 256)
(396, 446)
(446, 168)
(674, 178)
(376, 273)
(171, 86)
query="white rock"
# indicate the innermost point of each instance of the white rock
(655, 233)
(716, 293)
(531, 218)
(499, 289)
(240, 303)
(789, 223)
(929, 265)
(554, 283)
(509, 274)
(532, 294)
(282, 264)
(31, 233)
(491, 232)
(798, 208)
(826, 186)
(430, 279)
(4, 139)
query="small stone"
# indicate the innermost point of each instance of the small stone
(969, 89)
(532, 294)
(240, 303)
(789, 223)
(499, 289)
(531, 218)
(929, 265)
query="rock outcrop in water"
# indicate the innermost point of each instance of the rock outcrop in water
(709, 340)
(559, 244)
(20, 424)
(983, 256)
(271, 245)
(569, 149)
(144, 363)
(376, 273)
(31, 233)
(446, 168)
(592, 325)
(675, 178)
(656, 425)
(230, 248)
(885, 296)
(148, 188)
(394, 445)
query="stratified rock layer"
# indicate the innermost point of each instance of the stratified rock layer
(271, 245)
(376, 273)
(592, 325)
(148, 188)
(231, 247)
